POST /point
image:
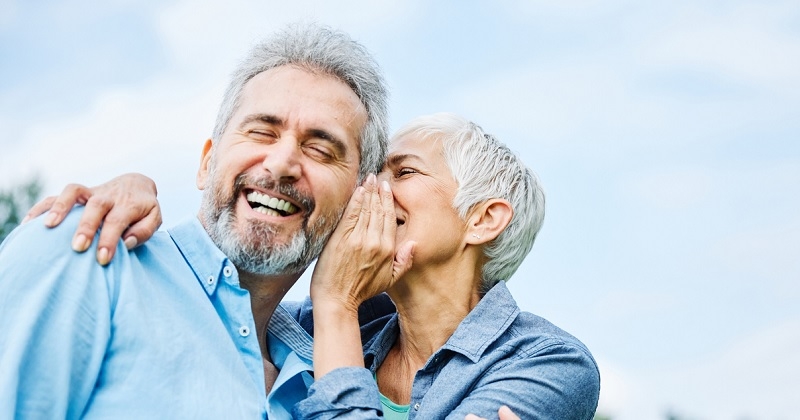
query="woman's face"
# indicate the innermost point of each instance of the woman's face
(423, 189)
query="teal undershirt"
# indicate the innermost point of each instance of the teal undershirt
(391, 410)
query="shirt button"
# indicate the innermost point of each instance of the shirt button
(210, 280)
(227, 271)
(416, 407)
(244, 331)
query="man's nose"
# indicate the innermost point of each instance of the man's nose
(283, 160)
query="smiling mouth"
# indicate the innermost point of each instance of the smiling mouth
(270, 206)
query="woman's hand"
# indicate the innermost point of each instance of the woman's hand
(359, 260)
(126, 207)
(505, 413)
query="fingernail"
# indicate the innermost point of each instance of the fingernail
(371, 178)
(385, 186)
(51, 219)
(131, 242)
(25, 219)
(80, 243)
(102, 256)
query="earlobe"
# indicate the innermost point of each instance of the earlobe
(205, 159)
(488, 221)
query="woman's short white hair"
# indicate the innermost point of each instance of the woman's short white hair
(485, 168)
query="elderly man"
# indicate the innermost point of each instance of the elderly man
(177, 327)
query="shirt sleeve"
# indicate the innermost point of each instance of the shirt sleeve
(559, 381)
(55, 310)
(344, 393)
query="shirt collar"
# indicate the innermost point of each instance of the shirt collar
(285, 329)
(209, 264)
(483, 325)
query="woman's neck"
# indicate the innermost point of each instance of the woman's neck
(430, 307)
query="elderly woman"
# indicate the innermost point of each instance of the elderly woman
(466, 210)
(453, 216)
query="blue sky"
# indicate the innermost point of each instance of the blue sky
(666, 134)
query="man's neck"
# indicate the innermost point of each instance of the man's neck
(266, 292)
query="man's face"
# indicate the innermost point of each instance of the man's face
(276, 183)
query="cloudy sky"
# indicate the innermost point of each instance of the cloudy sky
(667, 135)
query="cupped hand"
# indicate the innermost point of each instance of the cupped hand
(126, 207)
(360, 260)
(504, 413)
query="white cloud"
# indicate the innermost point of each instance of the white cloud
(753, 43)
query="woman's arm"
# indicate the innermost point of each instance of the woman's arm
(358, 262)
(559, 380)
(504, 413)
(126, 207)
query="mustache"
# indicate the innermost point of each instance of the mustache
(268, 183)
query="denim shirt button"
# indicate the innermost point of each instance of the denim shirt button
(416, 407)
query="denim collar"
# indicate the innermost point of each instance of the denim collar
(482, 326)
(485, 323)
(286, 329)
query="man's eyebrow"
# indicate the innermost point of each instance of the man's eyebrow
(336, 142)
(265, 118)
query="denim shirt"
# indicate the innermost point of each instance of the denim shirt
(497, 356)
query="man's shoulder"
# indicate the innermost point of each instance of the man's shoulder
(34, 239)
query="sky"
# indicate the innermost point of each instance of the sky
(666, 134)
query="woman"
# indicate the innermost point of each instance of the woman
(465, 214)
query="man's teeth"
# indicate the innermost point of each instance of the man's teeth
(271, 205)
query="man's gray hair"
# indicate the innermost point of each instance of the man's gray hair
(485, 168)
(320, 49)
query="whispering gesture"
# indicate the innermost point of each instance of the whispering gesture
(360, 260)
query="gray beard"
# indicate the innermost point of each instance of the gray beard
(251, 247)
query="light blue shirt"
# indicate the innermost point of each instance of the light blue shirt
(163, 331)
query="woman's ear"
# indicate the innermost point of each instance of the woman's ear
(488, 220)
(205, 158)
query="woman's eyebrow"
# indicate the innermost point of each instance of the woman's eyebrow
(394, 160)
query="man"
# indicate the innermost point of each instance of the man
(176, 328)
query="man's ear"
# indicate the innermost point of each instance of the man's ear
(488, 220)
(205, 159)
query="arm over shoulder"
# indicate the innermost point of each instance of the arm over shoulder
(55, 307)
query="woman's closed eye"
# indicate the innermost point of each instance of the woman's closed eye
(404, 171)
